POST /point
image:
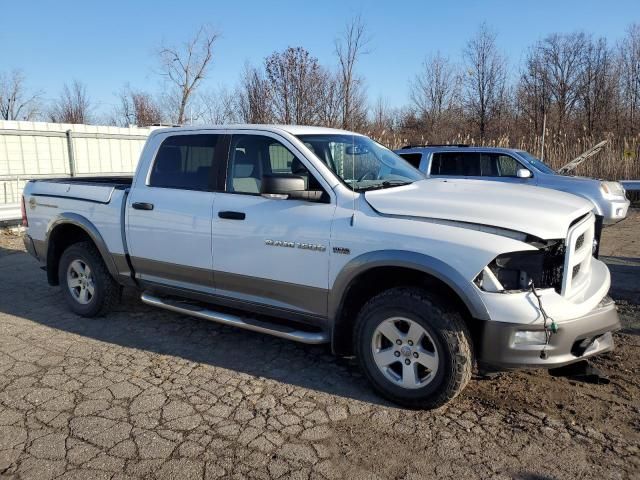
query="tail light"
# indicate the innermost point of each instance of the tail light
(25, 222)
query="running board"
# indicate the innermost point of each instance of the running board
(195, 310)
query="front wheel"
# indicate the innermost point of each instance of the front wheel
(87, 285)
(413, 348)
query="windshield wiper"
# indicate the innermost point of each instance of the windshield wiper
(382, 185)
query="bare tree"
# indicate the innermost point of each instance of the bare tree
(185, 67)
(485, 79)
(137, 108)
(349, 48)
(534, 94)
(597, 96)
(382, 118)
(297, 83)
(563, 58)
(219, 107)
(330, 110)
(253, 97)
(434, 89)
(16, 103)
(629, 61)
(73, 105)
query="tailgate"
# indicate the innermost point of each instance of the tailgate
(93, 193)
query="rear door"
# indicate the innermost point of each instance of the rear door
(267, 251)
(169, 212)
(455, 164)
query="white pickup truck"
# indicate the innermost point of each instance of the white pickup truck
(324, 236)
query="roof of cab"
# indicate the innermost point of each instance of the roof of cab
(291, 129)
(454, 148)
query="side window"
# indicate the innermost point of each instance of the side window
(496, 165)
(456, 164)
(280, 158)
(252, 156)
(184, 162)
(507, 166)
(413, 158)
(247, 161)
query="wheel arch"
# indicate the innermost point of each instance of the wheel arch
(65, 230)
(373, 272)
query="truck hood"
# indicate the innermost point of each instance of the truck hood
(541, 212)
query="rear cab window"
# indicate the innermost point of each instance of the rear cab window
(185, 162)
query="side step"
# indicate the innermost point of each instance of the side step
(195, 310)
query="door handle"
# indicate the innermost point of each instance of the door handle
(142, 206)
(232, 215)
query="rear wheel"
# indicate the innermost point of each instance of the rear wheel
(87, 286)
(414, 349)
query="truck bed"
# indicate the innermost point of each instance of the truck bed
(91, 189)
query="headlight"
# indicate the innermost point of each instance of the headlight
(612, 189)
(515, 271)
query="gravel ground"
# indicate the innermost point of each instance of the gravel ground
(148, 393)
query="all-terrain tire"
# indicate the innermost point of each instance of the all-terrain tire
(106, 292)
(450, 339)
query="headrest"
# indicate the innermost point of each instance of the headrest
(242, 165)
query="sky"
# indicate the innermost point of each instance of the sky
(106, 44)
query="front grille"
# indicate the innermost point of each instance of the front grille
(576, 270)
(577, 263)
(553, 266)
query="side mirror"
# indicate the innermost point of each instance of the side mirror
(523, 173)
(281, 185)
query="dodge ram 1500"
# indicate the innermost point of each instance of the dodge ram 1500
(324, 236)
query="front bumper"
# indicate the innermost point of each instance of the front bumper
(615, 210)
(576, 339)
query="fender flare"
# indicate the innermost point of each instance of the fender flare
(70, 218)
(444, 272)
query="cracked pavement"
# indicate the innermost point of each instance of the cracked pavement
(145, 393)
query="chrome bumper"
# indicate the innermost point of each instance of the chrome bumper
(576, 339)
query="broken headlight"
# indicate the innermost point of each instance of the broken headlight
(515, 271)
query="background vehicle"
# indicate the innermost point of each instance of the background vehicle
(320, 235)
(516, 166)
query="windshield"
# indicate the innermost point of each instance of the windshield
(539, 164)
(360, 162)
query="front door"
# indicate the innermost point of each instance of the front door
(169, 214)
(493, 166)
(268, 251)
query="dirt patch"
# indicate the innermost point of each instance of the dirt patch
(148, 393)
(11, 241)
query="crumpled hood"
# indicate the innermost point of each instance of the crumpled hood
(541, 212)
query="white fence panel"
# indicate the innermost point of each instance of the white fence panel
(40, 149)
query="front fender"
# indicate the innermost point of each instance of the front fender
(412, 260)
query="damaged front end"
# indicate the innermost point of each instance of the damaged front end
(517, 271)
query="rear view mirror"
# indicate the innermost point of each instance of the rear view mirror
(281, 185)
(356, 150)
(523, 173)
